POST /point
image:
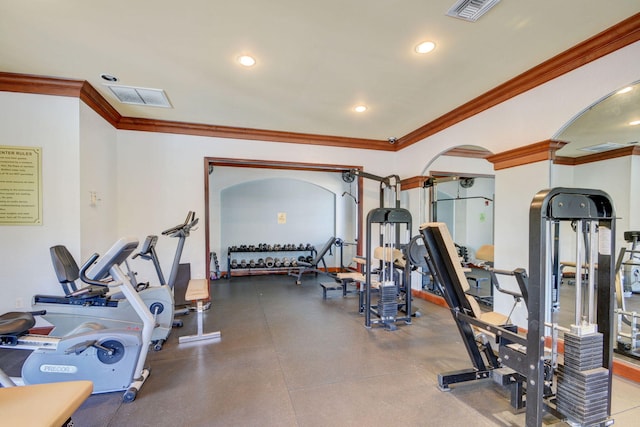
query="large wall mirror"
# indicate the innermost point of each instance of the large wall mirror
(602, 152)
(460, 193)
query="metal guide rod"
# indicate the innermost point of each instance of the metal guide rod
(578, 293)
(592, 272)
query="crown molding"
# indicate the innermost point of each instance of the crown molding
(28, 83)
(597, 157)
(90, 96)
(413, 182)
(544, 150)
(164, 126)
(604, 43)
(467, 152)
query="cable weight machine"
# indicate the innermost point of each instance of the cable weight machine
(583, 391)
(574, 385)
(393, 283)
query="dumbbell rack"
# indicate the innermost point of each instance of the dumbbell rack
(263, 251)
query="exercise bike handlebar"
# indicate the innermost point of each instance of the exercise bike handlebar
(85, 267)
(183, 228)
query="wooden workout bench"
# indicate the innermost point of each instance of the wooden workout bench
(43, 404)
(198, 291)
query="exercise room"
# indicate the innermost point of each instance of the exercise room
(372, 214)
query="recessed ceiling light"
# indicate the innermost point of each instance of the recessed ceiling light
(635, 123)
(360, 108)
(109, 77)
(625, 90)
(425, 47)
(247, 61)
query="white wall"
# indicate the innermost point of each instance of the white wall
(515, 189)
(250, 215)
(166, 174)
(51, 123)
(98, 226)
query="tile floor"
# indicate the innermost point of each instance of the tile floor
(289, 358)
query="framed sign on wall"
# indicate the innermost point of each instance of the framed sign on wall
(20, 185)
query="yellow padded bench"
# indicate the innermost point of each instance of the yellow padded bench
(42, 404)
(198, 291)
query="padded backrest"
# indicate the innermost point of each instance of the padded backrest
(475, 307)
(452, 253)
(323, 251)
(64, 265)
(387, 254)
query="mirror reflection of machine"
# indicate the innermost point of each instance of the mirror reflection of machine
(465, 204)
(627, 284)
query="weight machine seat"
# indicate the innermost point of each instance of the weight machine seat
(568, 270)
(485, 253)
(380, 253)
(357, 277)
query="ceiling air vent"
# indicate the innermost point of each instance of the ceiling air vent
(471, 10)
(602, 147)
(140, 96)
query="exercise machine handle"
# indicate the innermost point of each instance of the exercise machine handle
(85, 267)
(513, 273)
(188, 223)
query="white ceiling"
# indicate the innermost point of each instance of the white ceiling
(315, 60)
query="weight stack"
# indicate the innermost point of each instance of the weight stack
(387, 303)
(583, 384)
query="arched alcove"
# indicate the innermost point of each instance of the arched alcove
(269, 210)
(253, 202)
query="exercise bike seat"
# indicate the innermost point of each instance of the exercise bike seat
(16, 323)
(68, 272)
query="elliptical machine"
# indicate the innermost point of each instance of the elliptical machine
(90, 303)
(148, 252)
(113, 359)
